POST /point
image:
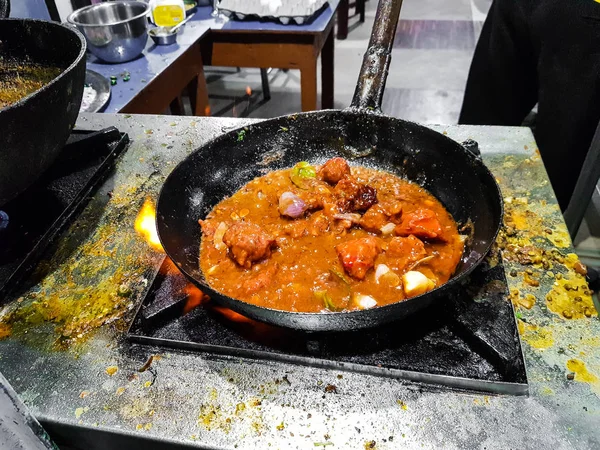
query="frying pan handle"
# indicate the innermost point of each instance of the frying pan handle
(376, 62)
(4, 9)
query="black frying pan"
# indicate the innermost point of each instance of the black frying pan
(34, 129)
(366, 137)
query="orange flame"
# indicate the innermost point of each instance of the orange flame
(248, 91)
(232, 315)
(145, 225)
(195, 297)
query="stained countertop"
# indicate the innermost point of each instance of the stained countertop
(62, 343)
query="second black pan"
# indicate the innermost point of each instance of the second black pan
(364, 136)
(34, 129)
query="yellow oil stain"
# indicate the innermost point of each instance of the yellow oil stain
(147, 384)
(111, 370)
(137, 408)
(213, 416)
(402, 405)
(5, 330)
(560, 238)
(80, 411)
(547, 391)
(581, 372)
(593, 341)
(120, 391)
(584, 375)
(570, 297)
(526, 301)
(536, 336)
(522, 219)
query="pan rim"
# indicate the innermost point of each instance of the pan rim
(63, 74)
(327, 319)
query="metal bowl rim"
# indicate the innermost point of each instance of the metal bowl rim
(153, 33)
(63, 73)
(72, 17)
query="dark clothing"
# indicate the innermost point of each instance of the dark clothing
(545, 52)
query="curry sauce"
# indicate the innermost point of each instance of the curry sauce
(329, 238)
(19, 79)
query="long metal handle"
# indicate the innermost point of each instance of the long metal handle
(376, 62)
(4, 9)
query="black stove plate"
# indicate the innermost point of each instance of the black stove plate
(30, 222)
(470, 342)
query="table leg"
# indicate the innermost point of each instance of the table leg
(308, 85)
(264, 77)
(327, 70)
(176, 107)
(342, 19)
(360, 9)
(199, 95)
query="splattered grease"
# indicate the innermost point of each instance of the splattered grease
(93, 288)
(534, 241)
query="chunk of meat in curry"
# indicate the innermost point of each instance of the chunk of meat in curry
(358, 256)
(248, 243)
(328, 238)
(334, 170)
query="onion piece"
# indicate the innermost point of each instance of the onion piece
(384, 275)
(388, 228)
(363, 301)
(415, 283)
(218, 236)
(351, 217)
(291, 205)
(381, 270)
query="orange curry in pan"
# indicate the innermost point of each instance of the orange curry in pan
(329, 238)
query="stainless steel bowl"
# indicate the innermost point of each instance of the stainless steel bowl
(115, 31)
(163, 36)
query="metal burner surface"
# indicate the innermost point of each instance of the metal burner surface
(30, 222)
(470, 342)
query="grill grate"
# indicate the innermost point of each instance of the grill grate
(470, 342)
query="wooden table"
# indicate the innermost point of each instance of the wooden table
(267, 44)
(160, 74)
(343, 14)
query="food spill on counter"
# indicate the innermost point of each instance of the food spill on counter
(213, 416)
(80, 411)
(547, 282)
(538, 337)
(92, 291)
(535, 244)
(581, 374)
